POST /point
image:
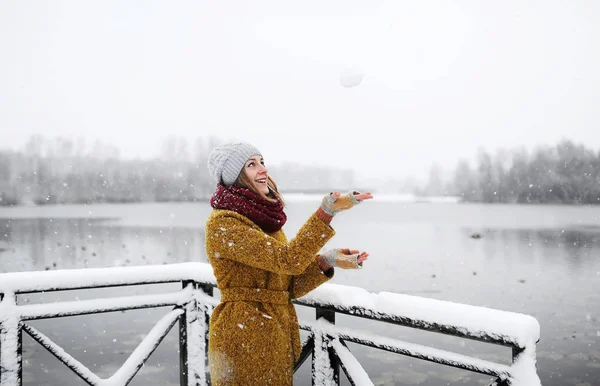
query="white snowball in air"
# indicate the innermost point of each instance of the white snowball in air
(351, 77)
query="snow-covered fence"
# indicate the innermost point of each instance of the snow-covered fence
(193, 304)
(327, 341)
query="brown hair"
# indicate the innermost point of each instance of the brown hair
(246, 182)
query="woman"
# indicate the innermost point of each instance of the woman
(254, 334)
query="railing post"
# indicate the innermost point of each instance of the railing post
(516, 351)
(208, 290)
(325, 365)
(193, 339)
(183, 347)
(11, 338)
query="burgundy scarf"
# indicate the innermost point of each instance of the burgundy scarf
(269, 216)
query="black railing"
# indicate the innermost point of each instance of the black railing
(193, 304)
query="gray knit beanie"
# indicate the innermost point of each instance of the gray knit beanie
(225, 162)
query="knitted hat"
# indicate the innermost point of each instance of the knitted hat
(225, 162)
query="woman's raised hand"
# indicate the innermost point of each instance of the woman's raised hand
(344, 258)
(336, 202)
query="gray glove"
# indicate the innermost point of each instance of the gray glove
(331, 205)
(341, 257)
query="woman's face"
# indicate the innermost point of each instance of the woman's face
(257, 172)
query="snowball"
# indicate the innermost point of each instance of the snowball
(351, 77)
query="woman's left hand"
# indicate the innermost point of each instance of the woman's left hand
(344, 258)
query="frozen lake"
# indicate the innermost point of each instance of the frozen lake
(539, 260)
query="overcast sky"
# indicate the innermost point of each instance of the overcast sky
(440, 78)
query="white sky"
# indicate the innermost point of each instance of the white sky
(440, 78)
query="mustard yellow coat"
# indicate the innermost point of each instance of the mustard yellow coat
(254, 335)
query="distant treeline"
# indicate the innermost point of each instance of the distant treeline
(566, 173)
(60, 180)
(61, 171)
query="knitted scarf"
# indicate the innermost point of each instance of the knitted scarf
(269, 216)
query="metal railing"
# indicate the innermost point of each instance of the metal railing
(193, 304)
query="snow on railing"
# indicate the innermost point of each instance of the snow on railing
(193, 304)
(519, 331)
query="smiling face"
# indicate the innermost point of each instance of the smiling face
(256, 172)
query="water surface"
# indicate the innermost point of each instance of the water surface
(538, 260)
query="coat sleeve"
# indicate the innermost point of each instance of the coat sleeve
(231, 236)
(310, 279)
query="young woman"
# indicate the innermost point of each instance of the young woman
(254, 334)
